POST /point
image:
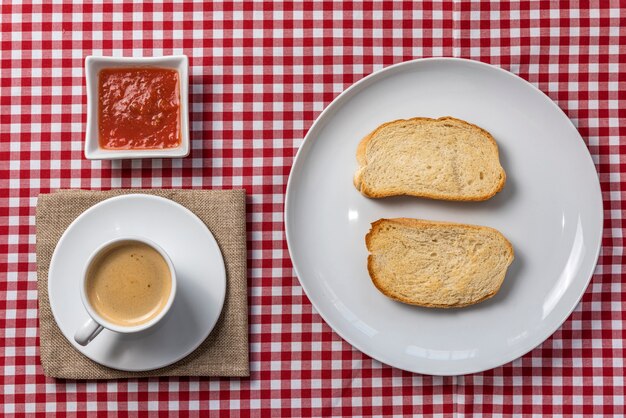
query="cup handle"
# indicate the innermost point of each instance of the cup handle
(87, 332)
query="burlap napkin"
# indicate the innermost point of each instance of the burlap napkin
(223, 353)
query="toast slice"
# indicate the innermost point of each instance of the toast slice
(444, 158)
(436, 264)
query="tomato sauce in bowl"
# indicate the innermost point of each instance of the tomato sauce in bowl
(139, 108)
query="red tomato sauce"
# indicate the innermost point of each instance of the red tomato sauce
(139, 108)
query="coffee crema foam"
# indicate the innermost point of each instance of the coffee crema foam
(128, 284)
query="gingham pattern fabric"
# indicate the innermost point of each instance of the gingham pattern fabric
(260, 73)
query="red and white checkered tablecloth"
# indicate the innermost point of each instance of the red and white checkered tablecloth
(260, 73)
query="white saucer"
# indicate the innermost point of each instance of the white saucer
(199, 267)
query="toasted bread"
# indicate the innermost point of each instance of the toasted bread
(445, 158)
(436, 264)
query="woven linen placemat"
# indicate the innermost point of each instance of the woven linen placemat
(223, 353)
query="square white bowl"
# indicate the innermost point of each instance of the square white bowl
(93, 65)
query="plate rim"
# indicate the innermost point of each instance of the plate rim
(362, 84)
(87, 212)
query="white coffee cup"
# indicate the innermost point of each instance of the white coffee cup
(106, 259)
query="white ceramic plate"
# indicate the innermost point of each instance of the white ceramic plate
(550, 210)
(199, 269)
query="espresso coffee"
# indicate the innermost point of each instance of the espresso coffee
(128, 284)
